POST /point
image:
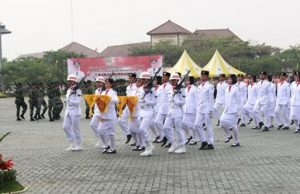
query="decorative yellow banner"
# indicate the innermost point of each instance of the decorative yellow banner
(102, 102)
(90, 99)
(131, 103)
(120, 105)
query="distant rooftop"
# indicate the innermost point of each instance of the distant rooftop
(122, 50)
(212, 33)
(169, 27)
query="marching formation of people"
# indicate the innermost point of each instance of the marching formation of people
(165, 112)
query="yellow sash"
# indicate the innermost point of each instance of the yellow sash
(131, 103)
(102, 102)
(120, 105)
(90, 99)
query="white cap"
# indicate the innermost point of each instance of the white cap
(100, 79)
(145, 75)
(72, 77)
(175, 76)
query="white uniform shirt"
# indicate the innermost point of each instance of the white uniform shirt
(221, 87)
(293, 86)
(252, 94)
(111, 108)
(232, 99)
(131, 89)
(73, 101)
(205, 97)
(243, 90)
(146, 103)
(190, 99)
(295, 100)
(176, 102)
(162, 98)
(272, 93)
(283, 93)
(262, 92)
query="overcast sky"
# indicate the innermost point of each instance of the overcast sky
(41, 25)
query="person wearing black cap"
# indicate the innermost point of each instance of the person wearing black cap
(189, 110)
(230, 114)
(205, 112)
(163, 106)
(243, 92)
(108, 119)
(262, 102)
(282, 102)
(130, 91)
(248, 108)
(295, 103)
(220, 99)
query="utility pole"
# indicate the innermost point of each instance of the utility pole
(3, 30)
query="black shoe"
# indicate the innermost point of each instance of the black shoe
(228, 139)
(87, 117)
(279, 127)
(51, 120)
(230, 129)
(285, 128)
(297, 131)
(255, 128)
(18, 119)
(235, 145)
(128, 138)
(193, 143)
(218, 124)
(136, 148)
(106, 149)
(292, 122)
(32, 119)
(203, 145)
(141, 148)
(164, 141)
(188, 140)
(156, 140)
(265, 129)
(22, 116)
(243, 125)
(272, 126)
(110, 151)
(209, 147)
(42, 117)
(249, 122)
(133, 144)
(238, 121)
(260, 124)
(168, 145)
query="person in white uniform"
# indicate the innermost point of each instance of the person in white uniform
(155, 132)
(95, 121)
(243, 92)
(130, 91)
(295, 103)
(108, 119)
(229, 116)
(220, 98)
(72, 114)
(272, 100)
(292, 87)
(282, 102)
(262, 102)
(146, 111)
(174, 118)
(163, 106)
(189, 111)
(204, 114)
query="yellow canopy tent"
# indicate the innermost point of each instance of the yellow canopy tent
(217, 65)
(184, 64)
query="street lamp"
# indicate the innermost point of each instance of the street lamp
(3, 30)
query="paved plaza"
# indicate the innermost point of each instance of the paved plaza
(265, 163)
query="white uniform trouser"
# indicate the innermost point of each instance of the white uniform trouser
(95, 122)
(168, 129)
(71, 128)
(134, 128)
(159, 124)
(264, 110)
(218, 109)
(281, 114)
(229, 121)
(204, 118)
(188, 124)
(249, 112)
(145, 123)
(107, 132)
(123, 121)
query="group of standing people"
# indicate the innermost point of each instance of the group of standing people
(176, 116)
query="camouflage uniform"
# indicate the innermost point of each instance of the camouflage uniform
(41, 102)
(20, 101)
(51, 100)
(33, 100)
(58, 104)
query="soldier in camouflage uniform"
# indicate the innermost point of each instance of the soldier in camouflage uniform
(20, 101)
(33, 99)
(58, 104)
(51, 100)
(41, 102)
(88, 89)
